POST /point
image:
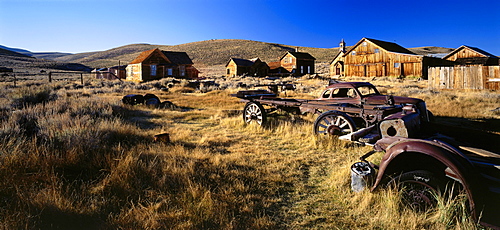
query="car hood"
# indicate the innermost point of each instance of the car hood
(382, 99)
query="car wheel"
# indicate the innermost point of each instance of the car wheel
(419, 189)
(334, 123)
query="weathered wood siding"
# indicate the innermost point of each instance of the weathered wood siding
(464, 53)
(369, 60)
(289, 62)
(465, 77)
(232, 69)
(134, 72)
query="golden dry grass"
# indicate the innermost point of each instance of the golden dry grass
(78, 159)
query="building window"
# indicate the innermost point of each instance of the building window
(353, 53)
(365, 44)
(309, 69)
(396, 65)
(169, 72)
(153, 70)
(377, 51)
(301, 69)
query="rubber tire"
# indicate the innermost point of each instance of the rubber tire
(419, 189)
(256, 110)
(332, 113)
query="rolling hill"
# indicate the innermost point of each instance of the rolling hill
(215, 52)
(24, 63)
(204, 53)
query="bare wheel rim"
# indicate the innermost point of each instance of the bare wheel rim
(253, 113)
(334, 124)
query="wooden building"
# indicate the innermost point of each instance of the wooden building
(252, 67)
(337, 64)
(156, 64)
(473, 69)
(111, 73)
(466, 55)
(298, 63)
(375, 58)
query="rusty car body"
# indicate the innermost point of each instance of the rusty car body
(343, 107)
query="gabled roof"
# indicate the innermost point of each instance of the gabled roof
(387, 46)
(145, 55)
(300, 55)
(477, 50)
(180, 58)
(241, 62)
(336, 55)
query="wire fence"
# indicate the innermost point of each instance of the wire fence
(16, 77)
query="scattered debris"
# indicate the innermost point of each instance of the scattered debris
(162, 137)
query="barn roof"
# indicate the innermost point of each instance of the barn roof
(180, 58)
(143, 56)
(388, 46)
(480, 51)
(241, 62)
(300, 55)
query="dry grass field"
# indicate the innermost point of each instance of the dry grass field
(74, 157)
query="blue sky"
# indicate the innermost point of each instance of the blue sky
(94, 25)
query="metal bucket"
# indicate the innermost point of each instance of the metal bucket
(362, 175)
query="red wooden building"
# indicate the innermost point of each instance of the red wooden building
(156, 64)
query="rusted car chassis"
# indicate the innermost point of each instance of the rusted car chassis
(342, 107)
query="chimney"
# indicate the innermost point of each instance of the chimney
(297, 49)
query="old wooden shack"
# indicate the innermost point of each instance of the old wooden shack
(111, 73)
(466, 55)
(252, 67)
(374, 58)
(298, 63)
(156, 64)
(473, 69)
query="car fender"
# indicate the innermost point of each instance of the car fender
(457, 163)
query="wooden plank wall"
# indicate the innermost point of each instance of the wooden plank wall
(464, 77)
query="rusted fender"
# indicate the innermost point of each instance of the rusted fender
(461, 168)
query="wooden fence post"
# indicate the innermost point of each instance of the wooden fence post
(14, 75)
(50, 76)
(81, 78)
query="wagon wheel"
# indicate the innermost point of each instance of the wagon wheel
(334, 123)
(254, 113)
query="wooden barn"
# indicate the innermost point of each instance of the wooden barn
(252, 67)
(473, 69)
(156, 64)
(375, 58)
(466, 55)
(298, 63)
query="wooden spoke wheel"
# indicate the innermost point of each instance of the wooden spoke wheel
(254, 113)
(334, 123)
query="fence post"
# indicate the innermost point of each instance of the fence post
(50, 76)
(14, 75)
(81, 78)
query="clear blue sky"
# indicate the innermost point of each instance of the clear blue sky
(94, 25)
